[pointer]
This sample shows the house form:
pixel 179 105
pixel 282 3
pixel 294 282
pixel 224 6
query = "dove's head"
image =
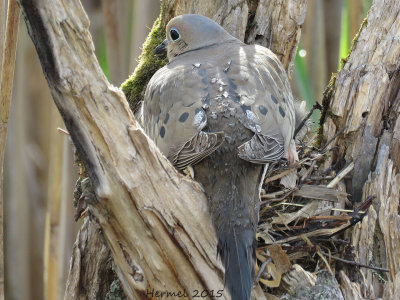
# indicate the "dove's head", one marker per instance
pixel 191 32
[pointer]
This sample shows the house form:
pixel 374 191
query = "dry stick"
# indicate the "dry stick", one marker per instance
pixel 278 176
pixel 262 268
pixel 289 169
pixel 315 106
pixel 341 175
pixel 6 81
pixel 350 262
pixel 309 243
pixel 332 139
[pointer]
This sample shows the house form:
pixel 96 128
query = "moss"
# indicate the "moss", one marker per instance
pixel 77 192
pixel 326 98
pixel 328 93
pixel 135 86
pixel 326 101
pixel 321 139
pixel 353 43
pixel 115 292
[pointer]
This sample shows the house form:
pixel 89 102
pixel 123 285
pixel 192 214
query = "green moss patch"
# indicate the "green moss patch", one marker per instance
pixel 135 86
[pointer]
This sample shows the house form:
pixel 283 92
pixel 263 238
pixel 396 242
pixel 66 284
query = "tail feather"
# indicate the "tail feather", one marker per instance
pixel 237 250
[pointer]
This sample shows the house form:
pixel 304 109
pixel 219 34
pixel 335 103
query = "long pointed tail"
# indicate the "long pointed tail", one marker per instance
pixel 237 249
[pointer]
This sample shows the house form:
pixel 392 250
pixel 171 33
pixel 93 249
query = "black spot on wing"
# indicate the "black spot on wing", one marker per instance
pixel 245 107
pixel 166 118
pixel 162 131
pixel 274 99
pixel 263 109
pixel 183 117
pixel 282 111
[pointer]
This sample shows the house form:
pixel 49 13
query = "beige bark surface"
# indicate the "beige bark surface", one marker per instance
pixel 154 220
pixel 366 102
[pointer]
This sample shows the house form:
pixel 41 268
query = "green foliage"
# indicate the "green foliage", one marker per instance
pixel 367 5
pixel 102 54
pixel 135 86
pixel 301 74
pixel 304 84
pixel 344 59
pixel 345 47
pixel 344 33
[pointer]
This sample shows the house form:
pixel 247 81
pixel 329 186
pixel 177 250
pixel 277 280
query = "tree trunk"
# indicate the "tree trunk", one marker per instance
pixel 365 102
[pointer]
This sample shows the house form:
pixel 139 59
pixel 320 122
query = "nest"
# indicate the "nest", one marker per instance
pixel 304 226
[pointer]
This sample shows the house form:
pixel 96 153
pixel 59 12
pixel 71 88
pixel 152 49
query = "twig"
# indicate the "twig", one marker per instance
pixel 358 214
pixel 273 195
pixel 277 176
pixel 262 268
pixel 62 130
pixel 315 106
pixel 332 139
pixel 341 175
pixel 308 172
pixel 285 171
pixel 350 262
pixel 319 252
pixel 271 200
pixel 332 209
pixel 319 178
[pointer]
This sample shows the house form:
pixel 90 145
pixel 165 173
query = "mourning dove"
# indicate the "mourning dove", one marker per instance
pixel 226 109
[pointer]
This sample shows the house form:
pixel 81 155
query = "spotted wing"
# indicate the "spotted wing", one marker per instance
pixel 194 150
pixel 173 114
pixel 267 103
pixel 263 148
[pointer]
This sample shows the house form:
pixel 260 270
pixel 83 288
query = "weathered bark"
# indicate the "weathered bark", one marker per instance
pixel 154 220
pixel 365 102
pixel 93 267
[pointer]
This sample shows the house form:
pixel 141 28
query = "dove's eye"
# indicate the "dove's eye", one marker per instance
pixel 174 34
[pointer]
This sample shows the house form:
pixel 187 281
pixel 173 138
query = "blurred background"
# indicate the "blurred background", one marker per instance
pixel 40 174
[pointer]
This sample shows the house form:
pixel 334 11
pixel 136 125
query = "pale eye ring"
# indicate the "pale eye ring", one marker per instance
pixel 174 34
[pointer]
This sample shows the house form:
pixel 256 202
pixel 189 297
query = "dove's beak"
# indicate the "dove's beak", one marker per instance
pixel 161 48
